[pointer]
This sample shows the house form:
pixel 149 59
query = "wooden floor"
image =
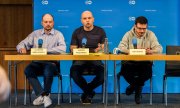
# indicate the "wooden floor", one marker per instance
pixel 126 102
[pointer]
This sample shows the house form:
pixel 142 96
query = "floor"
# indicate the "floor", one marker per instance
pixel 126 102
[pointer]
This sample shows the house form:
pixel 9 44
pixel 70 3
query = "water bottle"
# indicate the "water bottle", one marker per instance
pixel 106 51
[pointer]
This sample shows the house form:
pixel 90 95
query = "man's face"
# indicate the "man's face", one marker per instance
pixel 87 19
pixel 47 22
pixel 140 29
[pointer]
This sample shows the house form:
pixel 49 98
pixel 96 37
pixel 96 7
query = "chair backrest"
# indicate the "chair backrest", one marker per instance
pixel 172 68
pixel 59 70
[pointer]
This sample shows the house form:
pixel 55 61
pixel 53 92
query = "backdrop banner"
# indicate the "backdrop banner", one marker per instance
pixel 116 17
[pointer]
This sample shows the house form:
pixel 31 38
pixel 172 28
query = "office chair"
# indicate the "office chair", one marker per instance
pixel 86 72
pixel 119 86
pixel 56 74
pixel 172 68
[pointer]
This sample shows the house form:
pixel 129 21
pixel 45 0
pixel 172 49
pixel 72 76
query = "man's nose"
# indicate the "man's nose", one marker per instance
pixel 141 30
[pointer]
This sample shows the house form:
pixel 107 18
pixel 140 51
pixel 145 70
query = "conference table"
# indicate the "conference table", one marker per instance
pixel 14 60
pixel 19 58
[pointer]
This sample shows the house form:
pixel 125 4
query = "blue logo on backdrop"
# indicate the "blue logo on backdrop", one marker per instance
pixel 44 2
pixel 132 2
pixel 131 18
pixel 88 2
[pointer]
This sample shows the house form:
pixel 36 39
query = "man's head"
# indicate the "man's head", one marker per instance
pixel 140 26
pixel 47 22
pixel 87 20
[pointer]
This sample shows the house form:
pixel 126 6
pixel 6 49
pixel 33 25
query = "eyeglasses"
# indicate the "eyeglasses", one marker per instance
pixel 140 28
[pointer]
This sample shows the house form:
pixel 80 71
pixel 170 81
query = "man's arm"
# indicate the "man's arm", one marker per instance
pixel 124 44
pixel 74 41
pixel 72 47
pixel 155 47
pixel 101 44
pixel 22 50
pixel 99 48
pixel 25 44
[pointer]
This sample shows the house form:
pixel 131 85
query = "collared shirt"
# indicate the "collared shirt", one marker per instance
pixel 54 41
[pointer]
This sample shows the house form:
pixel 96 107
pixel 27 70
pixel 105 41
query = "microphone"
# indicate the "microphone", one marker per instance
pixel 116 51
pixel 134 42
pixel 40 43
pixel 84 41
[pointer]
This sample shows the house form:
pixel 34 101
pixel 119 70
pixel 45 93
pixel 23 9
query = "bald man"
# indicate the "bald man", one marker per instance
pixel 5 86
pixel 94 36
pixel 54 41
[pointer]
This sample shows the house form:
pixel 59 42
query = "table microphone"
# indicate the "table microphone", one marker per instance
pixel 40 43
pixel 134 42
pixel 84 41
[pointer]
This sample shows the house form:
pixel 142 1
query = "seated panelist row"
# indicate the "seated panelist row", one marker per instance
pixel 92 37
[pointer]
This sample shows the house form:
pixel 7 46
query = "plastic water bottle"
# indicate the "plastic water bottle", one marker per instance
pixel 106 50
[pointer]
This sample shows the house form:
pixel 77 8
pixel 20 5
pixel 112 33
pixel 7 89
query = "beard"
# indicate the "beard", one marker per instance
pixel 141 34
pixel 88 25
pixel 48 28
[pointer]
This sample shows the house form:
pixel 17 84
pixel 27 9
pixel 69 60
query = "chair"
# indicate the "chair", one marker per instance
pixel 85 73
pixel 56 74
pixel 172 68
pixel 119 92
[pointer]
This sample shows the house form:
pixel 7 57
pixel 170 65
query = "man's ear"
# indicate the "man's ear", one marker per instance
pixel 42 23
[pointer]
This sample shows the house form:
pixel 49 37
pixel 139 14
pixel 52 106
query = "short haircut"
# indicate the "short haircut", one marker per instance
pixel 48 14
pixel 141 20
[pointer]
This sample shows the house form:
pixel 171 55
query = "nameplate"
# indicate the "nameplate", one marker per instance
pixel 38 51
pixel 137 52
pixel 81 51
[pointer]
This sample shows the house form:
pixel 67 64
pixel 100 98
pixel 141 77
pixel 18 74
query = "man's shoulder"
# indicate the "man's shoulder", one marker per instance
pixel 56 31
pixel 97 27
pixel 38 30
pixel 150 33
pixel 129 33
pixel 79 29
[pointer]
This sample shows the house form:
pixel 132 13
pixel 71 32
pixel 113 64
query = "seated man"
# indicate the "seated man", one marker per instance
pixel 137 72
pixel 95 36
pixel 53 40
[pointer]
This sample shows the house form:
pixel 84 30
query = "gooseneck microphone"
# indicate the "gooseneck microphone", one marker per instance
pixel 40 43
pixel 134 42
pixel 84 41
